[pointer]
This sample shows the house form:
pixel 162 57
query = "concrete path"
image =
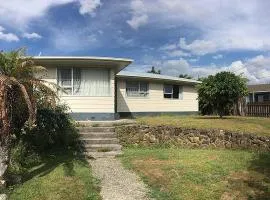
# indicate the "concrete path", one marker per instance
pixel 118 183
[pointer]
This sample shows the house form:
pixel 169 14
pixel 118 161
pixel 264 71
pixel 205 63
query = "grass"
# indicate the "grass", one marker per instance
pixel 60 176
pixel 255 125
pixel 186 174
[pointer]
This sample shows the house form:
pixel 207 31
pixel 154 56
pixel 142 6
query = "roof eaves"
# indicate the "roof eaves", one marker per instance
pixel 155 76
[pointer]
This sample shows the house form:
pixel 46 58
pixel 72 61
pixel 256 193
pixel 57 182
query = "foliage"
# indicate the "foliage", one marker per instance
pixel 220 92
pixel 185 76
pixel 54 130
pixel 20 86
pixel 21 158
pixel 154 71
pixel 20 90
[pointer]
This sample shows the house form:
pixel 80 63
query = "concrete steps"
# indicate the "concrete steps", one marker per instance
pixel 102 154
pixel 97 135
pixel 96 129
pixel 99 140
pixel 102 147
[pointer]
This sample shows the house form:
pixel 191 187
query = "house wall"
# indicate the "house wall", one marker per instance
pixel 155 102
pixel 87 107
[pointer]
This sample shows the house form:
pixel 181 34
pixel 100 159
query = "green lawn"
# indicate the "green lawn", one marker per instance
pixel 58 177
pixel 256 125
pixel 188 174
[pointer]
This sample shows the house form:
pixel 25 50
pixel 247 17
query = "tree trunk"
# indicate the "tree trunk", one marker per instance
pixel 31 111
pixel 4 134
pixel 4 160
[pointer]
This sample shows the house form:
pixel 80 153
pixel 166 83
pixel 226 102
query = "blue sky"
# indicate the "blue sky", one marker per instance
pixel 187 36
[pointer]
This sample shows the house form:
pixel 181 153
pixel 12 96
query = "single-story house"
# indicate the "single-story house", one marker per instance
pixel 259 93
pixel 96 88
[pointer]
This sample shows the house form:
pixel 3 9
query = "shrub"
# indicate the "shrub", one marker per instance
pixel 221 92
pixel 55 130
pixel 22 157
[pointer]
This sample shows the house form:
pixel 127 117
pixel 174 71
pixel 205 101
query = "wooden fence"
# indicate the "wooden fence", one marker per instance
pixel 258 109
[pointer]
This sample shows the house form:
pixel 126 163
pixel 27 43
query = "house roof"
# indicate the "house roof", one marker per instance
pixel 118 63
pixel 259 88
pixel 159 77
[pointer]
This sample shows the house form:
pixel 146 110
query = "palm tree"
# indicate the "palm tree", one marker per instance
pixel 18 85
pixel 154 71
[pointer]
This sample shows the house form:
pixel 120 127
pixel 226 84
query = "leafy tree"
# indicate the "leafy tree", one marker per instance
pixel 185 76
pixel 221 92
pixel 154 71
pixel 20 90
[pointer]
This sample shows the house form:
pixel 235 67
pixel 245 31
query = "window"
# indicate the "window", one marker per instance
pixel 137 89
pixel 173 92
pixel 84 81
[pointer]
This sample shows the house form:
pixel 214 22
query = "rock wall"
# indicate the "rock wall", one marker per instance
pixel 143 135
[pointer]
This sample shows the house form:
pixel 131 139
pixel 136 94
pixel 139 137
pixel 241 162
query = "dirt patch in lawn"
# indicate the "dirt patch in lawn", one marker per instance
pixel 153 169
pixel 246 185
pixel 202 174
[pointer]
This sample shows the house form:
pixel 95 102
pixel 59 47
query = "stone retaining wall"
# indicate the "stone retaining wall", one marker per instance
pixel 143 135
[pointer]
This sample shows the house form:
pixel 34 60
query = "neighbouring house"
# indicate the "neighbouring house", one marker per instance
pixel 96 88
pixel 259 93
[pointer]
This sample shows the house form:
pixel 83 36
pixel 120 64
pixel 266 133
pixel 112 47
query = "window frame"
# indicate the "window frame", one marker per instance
pixel 180 92
pixel 72 83
pixel 146 93
pixel 59 81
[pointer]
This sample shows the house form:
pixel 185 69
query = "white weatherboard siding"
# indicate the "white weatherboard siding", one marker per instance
pixel 155 102
pixel 86 104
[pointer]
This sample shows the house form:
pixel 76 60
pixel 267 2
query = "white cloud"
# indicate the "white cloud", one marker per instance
pixel 218 56
pixel 172 50
pixel 9 37
pixel 224 26
pixel 13 12
pixel 20 13
pixel 198 47
pixel 32 35
pixel 70 41
pixel 139 16
pixel 168 47
pixel 177 53
pixel 256 70
pixel 138 21
pixel 193 59
pixel 89 6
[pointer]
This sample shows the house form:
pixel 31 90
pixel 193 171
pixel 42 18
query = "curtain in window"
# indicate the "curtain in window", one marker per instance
pixel 65 81
pixel 137 89
pixel 181 96
pixel 92 82
pixel 64 77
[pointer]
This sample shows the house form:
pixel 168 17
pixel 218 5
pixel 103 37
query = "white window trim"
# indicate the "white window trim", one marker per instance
pixel 180 96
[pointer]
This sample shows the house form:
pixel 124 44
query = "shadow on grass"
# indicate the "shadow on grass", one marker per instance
pixel 52 161
pixel 214 117
pixel 253 184
pixel 261 165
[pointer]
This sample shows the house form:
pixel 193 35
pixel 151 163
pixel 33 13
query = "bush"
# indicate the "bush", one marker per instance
pixel 22 157
pixel 55 130
pixel 221 92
